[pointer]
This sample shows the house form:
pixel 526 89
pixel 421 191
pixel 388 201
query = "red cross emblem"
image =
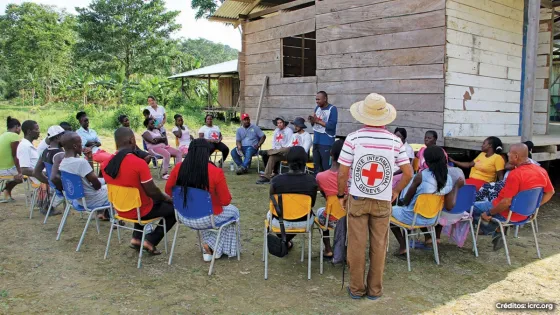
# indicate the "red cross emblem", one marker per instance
pixel 215 136
pixel 279 137
pixel 372 174
pixel 296 142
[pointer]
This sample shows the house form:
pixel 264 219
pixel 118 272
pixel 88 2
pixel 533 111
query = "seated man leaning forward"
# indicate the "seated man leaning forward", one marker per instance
pixel 280 146
pixel 524 176
pixel 94 191
pixel 27 153
pixel 128 170
pixel 296 181
pixel 248 140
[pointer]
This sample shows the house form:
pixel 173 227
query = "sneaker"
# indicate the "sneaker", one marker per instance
pixel 372 298
pixel 165 177
pixel 352 295
pixel 263 180
pixel 241 171
pixel 245 171
pixel 497 241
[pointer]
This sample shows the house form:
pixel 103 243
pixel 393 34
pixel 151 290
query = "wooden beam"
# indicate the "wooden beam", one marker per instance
pixel 532 9
pixel 546 4
pixel 265 81
pixel 221 19
pixel 243 15
pixel 279 7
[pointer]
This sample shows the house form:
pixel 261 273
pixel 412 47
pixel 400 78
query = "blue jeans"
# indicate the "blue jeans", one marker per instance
pixel 248 153
pixel 321 157
pixel 481 207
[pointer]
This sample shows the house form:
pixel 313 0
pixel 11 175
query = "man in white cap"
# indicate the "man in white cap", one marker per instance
pixel 366 166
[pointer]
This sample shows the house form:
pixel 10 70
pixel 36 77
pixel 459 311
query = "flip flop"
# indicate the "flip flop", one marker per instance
pixel 400 256
pixel 153 252
pixel 328 256
pixel 134 246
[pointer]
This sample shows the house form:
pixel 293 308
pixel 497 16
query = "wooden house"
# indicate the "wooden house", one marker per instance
pixel 454 66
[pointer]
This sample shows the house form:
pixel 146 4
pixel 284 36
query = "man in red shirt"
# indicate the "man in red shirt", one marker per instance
pixel 126 169
pixel 525 175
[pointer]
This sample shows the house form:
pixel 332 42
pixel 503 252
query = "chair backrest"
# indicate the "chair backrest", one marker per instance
pixel 72 185
pixel 526 202
pixel 466 196
pixel 415 164
pixel 48 169
pixel 294 206
pixel 428 205
pixel 176 142
pixel 124 199
pixel 334 208
pixel 198 204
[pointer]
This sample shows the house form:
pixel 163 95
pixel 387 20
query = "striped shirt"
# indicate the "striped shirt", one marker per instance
pixel 373 138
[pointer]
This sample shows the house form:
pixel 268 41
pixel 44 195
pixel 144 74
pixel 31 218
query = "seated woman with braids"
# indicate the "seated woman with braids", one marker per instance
pixel 433 180
pixel 198 172
pixel 488 166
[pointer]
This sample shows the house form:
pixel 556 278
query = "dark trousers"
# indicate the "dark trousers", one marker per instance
pixel 321 157
pixel 160 209
pixel 220 146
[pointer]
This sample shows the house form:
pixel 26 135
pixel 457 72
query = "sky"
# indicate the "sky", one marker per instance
pixel 214 31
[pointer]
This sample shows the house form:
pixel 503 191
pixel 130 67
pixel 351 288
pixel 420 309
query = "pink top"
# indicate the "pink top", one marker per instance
pixel 422 162
pixel 328 181
pixel 155 134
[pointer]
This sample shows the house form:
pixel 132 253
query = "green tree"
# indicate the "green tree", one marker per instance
pixel 209 53
pixel 123 33
pixel 205 8
pixel 36 46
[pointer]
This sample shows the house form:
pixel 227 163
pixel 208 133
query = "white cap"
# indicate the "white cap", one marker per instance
pixel 54 131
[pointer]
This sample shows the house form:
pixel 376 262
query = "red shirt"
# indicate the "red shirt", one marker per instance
pixel 133 173
pixel 522 178
pixel 219 190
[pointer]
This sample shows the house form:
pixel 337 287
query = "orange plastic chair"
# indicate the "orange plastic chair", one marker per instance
pixel 332 209
pixel 294 206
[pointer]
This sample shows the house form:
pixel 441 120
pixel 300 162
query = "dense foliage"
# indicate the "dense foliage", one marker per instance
pixel 113 53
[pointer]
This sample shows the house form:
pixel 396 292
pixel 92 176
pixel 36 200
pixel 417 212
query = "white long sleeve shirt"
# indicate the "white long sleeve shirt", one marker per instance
pixel 302 140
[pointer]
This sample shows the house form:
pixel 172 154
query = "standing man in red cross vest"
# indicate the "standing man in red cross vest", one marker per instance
pixel 280 146
pixel 366 163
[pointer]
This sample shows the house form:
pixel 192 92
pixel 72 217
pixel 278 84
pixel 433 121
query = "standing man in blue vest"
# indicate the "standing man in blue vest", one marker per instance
pixel 324 122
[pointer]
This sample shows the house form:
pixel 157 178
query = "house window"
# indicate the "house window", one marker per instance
pixel 299 56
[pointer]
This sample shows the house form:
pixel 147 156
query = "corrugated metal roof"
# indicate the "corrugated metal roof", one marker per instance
pixel 228 67
pixel 231 9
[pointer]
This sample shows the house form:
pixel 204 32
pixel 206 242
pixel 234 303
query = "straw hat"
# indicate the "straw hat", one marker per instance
pixel 374 111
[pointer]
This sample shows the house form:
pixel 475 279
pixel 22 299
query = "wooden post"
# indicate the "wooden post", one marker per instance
pixel 209 94
pixel 532 11
pixel 260 100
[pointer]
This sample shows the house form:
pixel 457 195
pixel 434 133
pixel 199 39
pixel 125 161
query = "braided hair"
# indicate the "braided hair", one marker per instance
pixel 437 164
pixel 194 169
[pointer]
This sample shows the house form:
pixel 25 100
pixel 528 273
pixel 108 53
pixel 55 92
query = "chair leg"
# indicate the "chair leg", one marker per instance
pixel 407 248
pixel 310 237
pixel 109 239
pixel 49 209
pixel 85 230
pixel 264 245
pixel 97 223
pixel 516 231
pixel 165 234
pixel 505 243
pixel 63 222
pixel 533 226
pixel 238 236
pixel 118 231
pixel 321 251
pixel 265 250
pixel 302 250
pixel 536 225
pixel 475 247
pixel 214 254
pixel 173 244
pixel 34 194
pixel 434 244
pixel 477 229
pixel 141 246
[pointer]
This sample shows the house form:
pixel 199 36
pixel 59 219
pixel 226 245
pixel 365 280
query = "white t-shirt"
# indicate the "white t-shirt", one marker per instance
pixel 42 147
pixel 281 138
pixel 81 167
pixel 409 150
pixel 27 154
pixel 185 139
pixel 301 140
pixel 210 133
pixel 157 114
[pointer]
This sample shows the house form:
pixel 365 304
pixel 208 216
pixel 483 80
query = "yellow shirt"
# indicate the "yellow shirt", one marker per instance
pixel 486 168
pixel 6 159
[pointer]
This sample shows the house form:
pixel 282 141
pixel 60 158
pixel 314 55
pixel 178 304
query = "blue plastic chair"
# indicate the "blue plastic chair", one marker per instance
pixel 525 203
pixel 197 206
pixel 466 196
pixel 74 191
pixel 48 169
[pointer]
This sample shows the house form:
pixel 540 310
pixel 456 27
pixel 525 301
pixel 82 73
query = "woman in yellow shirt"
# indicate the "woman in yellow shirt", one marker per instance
pixel 488 166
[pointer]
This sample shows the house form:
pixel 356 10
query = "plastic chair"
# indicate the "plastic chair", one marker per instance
pixel 429 206
pixel 466 197
pixel 48 169
pixel 31 194
pixel 74 191
pixel 333 209
pixel 197 206
pixel 525 203
pixel 309 166
pixel 214 157
pixel 126 199
pixel 294 206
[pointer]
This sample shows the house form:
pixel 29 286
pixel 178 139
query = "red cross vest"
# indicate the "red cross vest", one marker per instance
pixel 372 170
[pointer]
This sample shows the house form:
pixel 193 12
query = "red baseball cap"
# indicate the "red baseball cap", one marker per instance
pixel 243 116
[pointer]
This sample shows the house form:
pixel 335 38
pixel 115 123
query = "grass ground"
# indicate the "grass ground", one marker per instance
pixel 41 275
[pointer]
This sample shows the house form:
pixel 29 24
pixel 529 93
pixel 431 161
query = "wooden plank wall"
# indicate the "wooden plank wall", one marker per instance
pixel 544 70
pixel 290 97
pixel 392 47
pixel 225 92
pixel 483 67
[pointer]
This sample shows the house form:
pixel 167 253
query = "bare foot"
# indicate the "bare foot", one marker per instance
pixel 207 249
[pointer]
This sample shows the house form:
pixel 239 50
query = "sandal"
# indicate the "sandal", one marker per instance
pixel 400 256
pixel 153 252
